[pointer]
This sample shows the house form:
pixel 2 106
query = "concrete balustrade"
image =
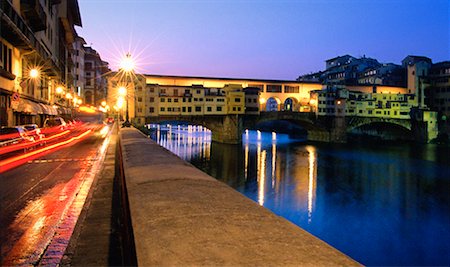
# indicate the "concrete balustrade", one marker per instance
pixel 182 216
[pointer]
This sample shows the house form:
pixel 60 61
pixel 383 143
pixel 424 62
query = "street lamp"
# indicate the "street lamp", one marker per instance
pixel 127 66
pixel 34 73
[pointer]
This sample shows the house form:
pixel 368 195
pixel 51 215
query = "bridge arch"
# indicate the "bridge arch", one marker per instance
pixel 357 122
pixel 303 120
pixel 382 128
pixel 224 129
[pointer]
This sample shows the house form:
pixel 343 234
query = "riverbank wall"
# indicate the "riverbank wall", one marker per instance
pixel 182 216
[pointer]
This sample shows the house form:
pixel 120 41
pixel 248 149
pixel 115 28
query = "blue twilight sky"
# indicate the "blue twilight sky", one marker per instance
pixel 262 39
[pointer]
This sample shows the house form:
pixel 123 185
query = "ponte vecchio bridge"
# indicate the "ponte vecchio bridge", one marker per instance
pixel 228 106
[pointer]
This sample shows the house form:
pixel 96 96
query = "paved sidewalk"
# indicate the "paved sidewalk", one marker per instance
pixel 96 238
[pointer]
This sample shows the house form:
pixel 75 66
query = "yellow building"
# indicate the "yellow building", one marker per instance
pixel 194 96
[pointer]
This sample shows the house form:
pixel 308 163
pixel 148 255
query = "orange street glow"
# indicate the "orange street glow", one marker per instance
pixel 87 109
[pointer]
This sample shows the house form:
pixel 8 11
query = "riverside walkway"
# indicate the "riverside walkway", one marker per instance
pixel 176 215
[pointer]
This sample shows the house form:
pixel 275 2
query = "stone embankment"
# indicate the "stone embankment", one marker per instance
pixel 182 216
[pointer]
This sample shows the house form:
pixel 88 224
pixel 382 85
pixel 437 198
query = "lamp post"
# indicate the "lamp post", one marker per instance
pixel 127 66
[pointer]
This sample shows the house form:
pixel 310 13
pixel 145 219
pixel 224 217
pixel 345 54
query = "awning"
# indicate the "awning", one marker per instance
pixel 64 111
pixel 49 110
pixel 27 106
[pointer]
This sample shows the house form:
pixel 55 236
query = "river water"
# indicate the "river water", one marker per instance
pixel 379 203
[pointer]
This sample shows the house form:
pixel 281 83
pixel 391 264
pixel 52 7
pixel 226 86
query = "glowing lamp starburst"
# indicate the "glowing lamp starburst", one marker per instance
pixel 34 73
pixel 59 90
pixel 127 63
pixel 122 91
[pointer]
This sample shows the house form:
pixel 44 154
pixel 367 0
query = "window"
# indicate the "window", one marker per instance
pixel 218 108
pixel 152 99
pixel 291 89
pixel 151 90
pixel 88 82
pixel 163 109
pixel 234 108
pixel 169 109
pixel 151 109
pixel 175 100
pixel 198 109
pixel 139 99
pixel 6 57
pixel 220 100
pixel 198 91
pixel 184 109
pixel 272 88
pixel 162 99
pixel 139 109
pixel 237 99
pixel 175 92
pixel 169 99
pixel 189 109
pixel 209 109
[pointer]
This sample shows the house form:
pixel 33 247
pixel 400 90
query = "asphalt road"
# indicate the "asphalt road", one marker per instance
pixel 41 200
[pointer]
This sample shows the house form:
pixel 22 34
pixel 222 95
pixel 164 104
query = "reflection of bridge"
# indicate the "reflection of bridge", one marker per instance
pixel 229 128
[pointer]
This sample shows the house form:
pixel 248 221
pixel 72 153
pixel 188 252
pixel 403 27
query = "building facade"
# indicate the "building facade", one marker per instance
pixel 36 38
pixel 95 82
pixel 78 55
pixel 156 95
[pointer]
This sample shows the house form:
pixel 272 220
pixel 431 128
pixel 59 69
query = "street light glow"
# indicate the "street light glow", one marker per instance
pixel 122 91
pixel 127 63
pixel 120 102
pixel 34 73
pixel 69 96
pixel 59 90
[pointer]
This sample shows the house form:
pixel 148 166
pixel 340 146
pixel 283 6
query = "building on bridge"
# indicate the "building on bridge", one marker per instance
pixel 156 95
pixel 218 102
pixel 383 104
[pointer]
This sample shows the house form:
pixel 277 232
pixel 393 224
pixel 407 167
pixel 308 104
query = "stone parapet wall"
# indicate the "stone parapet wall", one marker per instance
pixel 181 216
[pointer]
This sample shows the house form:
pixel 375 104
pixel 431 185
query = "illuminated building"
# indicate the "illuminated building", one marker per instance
pixel 36 40
pixel 179 95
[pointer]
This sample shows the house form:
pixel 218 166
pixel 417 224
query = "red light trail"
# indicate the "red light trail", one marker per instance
pixel 13 162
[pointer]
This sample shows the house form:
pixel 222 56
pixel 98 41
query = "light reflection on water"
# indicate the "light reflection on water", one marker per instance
pixel 379 204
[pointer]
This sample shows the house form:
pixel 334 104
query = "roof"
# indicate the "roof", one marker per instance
pixel 417 58
pixel 331 59
pixel 220 78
